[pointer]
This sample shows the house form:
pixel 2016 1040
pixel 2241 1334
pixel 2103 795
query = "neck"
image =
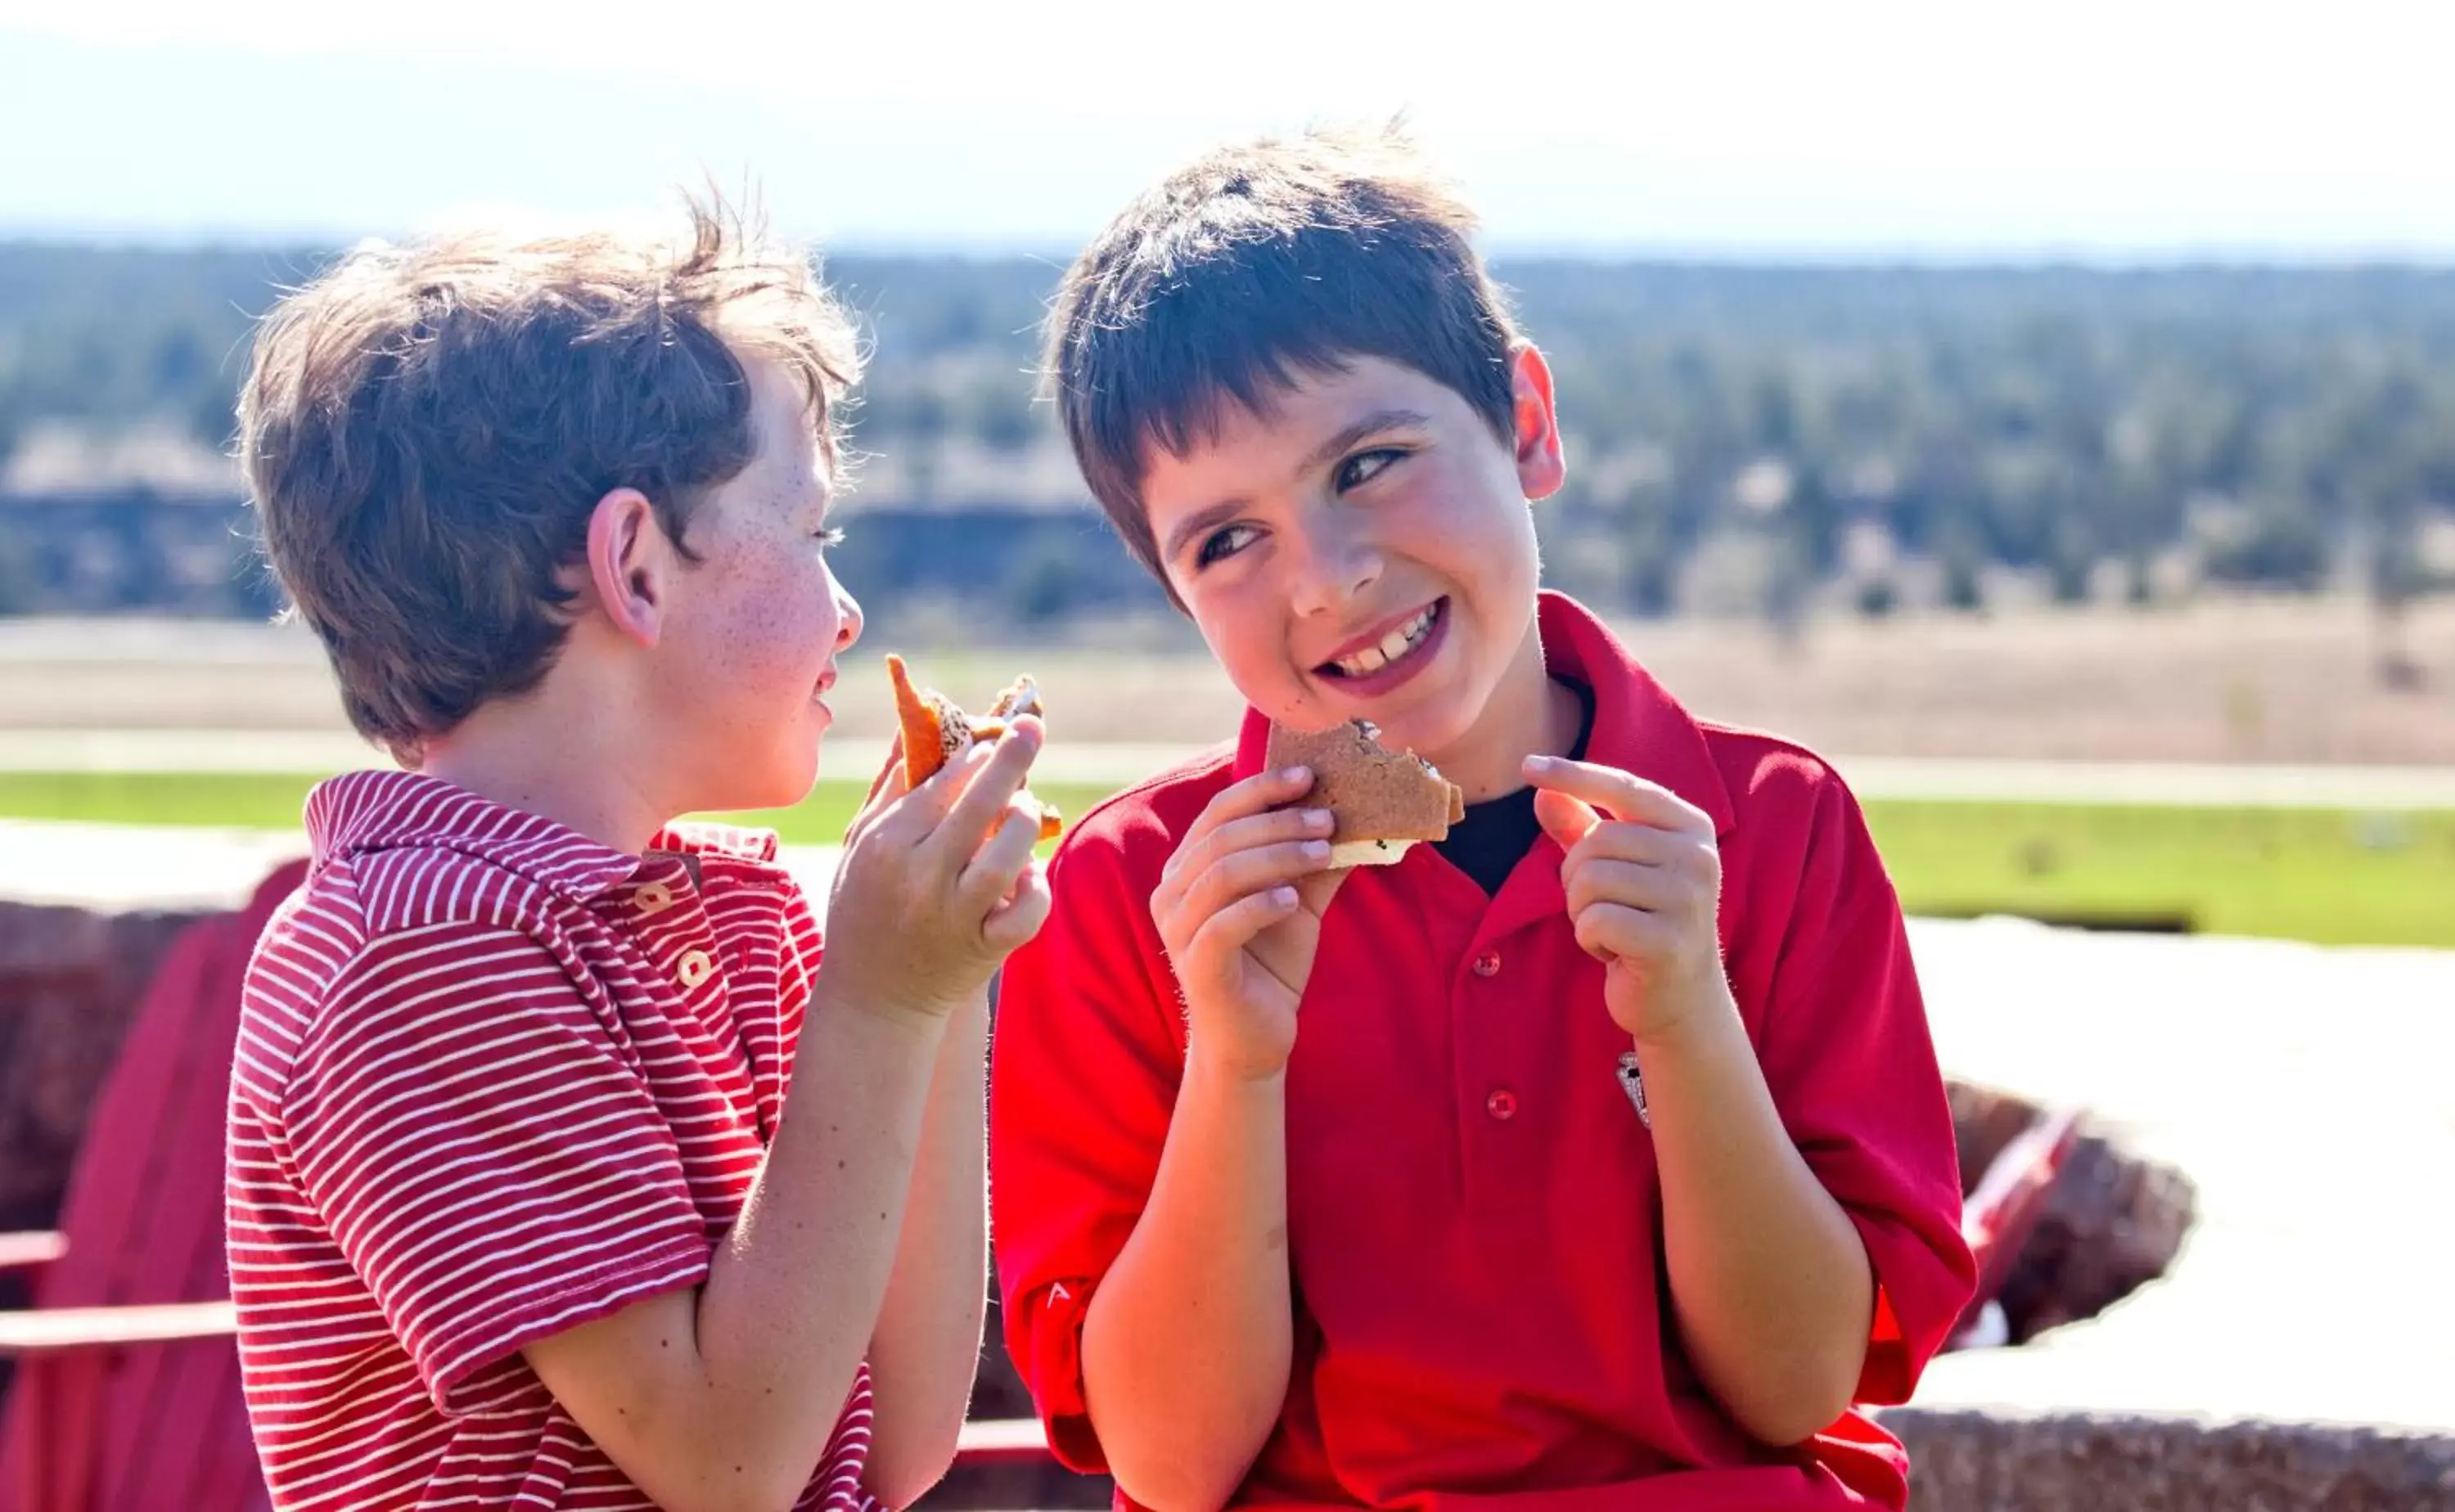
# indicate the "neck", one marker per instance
pixel 1526 714
pixel 558 752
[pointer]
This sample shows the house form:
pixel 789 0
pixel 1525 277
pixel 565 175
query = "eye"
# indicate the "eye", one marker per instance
pixel 1222 544
pixel 829 537
pixel 1365 466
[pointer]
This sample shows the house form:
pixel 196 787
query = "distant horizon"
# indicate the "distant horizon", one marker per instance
pixel 1771 258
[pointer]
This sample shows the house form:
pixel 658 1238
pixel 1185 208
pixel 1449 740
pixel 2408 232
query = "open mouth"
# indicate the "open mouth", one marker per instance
pixel 1390 650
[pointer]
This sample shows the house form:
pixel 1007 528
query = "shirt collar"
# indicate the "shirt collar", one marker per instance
pixel 1639 728
pixel 367 812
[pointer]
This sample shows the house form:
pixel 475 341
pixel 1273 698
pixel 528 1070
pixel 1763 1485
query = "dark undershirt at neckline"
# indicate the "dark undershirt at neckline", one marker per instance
pixel 1496 835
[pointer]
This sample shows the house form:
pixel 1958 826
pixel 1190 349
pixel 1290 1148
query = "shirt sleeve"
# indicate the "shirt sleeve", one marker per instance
pixel 1088 1059
pixel 466 1120
pixel 1851 1067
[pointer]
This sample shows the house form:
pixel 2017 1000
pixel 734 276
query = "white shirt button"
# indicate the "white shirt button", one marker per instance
pixel 693 967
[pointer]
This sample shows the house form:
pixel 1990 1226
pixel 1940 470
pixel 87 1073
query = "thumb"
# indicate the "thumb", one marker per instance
pixel 1566 819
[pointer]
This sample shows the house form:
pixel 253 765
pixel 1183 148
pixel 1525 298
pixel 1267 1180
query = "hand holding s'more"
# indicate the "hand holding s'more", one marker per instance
pixel 936 730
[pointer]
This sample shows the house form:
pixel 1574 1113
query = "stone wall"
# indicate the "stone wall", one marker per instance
pixel 2007 1461
pixel 2004 1461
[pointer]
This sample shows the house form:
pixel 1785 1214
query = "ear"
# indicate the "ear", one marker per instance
pixel 1541 469
pixel 631 565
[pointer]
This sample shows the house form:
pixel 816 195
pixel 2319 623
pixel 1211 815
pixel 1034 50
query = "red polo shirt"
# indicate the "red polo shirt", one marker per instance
pixel 1482 1307
pixel 495 1080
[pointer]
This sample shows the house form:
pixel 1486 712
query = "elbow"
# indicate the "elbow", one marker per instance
pixel 1803 1401
pixel 770 1488
pixel 1159 1464
pixel 740 1488
pixel 901 1471
pixel 714 1473
pixel 1190 1483
pixel 898 1492
pixel 1784 1426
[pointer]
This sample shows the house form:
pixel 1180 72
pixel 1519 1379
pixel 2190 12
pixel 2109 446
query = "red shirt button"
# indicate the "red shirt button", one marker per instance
pixel 1487 964
pixel 1502 1104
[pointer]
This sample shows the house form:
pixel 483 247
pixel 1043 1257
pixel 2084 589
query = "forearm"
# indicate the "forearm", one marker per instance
pixel 1203 1278
pixel 927 1346
pixel 795 1294
pixel 1769 1278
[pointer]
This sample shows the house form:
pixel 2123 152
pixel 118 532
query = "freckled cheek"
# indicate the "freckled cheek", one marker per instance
pixel 775 631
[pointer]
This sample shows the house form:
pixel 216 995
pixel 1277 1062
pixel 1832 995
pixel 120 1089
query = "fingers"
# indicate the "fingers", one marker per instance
pixel 1609 931
pixel 889 785
pixel 915 815
pixel 1240 874
pixel 1566 819
pixel 1255 794
pixel 1007 883
pixel 1011 924
pixel 992 788
pixel 1196 855
pixel 995 868
pixel 892 774
pixel 1228 930
pixel 1655 870
pixel 1616 841
pixel 1630 884
pixel 961 801
pixel 1620 795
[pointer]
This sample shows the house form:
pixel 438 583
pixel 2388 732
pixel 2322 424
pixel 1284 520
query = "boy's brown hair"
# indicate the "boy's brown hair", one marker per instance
pixel 426 429
pixel 1249 266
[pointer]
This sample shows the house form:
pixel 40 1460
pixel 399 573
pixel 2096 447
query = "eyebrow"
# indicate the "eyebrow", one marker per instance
pixel 1202 522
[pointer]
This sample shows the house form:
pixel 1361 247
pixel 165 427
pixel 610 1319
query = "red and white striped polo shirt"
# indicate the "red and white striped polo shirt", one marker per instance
pixel 494 1079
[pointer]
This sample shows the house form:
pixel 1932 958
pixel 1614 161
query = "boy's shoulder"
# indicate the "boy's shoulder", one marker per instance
pixel 1797 829
pixel 401 858
pixel 1133 830
pixel 421 885
pixel 1771 778
pixel 397 910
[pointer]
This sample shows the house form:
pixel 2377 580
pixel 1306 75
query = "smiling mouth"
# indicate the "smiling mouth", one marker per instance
pixel 1392 648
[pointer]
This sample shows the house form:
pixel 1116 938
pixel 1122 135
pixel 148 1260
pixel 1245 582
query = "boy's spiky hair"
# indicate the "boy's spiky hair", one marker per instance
pixel 1254 265
pixel 426 429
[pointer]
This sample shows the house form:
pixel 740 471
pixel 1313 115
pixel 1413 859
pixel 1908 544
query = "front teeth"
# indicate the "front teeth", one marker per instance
pixel 1395 645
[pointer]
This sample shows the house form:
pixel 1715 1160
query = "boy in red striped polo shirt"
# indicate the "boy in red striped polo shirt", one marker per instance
pixel 564 1171
pixel 1594 1157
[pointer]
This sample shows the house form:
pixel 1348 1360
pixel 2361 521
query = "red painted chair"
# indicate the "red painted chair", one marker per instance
pixel 126 1393
pixel 1997 1217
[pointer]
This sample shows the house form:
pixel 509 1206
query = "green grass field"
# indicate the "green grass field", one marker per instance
pixel 2325 876
pixel 273 801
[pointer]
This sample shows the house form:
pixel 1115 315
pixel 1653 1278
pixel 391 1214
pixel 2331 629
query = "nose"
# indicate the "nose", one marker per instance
pixel 1332 559
pixel 847 614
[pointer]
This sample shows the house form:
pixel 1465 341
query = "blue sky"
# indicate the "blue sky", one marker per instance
pixel 2118 132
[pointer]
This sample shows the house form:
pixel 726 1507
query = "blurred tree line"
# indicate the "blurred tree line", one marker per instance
pixel 1759 439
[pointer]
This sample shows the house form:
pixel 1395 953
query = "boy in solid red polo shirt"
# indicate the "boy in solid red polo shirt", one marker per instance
pixel 565 1169
pixel 1593 1157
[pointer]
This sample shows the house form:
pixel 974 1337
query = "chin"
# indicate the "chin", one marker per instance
pixel 779 785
